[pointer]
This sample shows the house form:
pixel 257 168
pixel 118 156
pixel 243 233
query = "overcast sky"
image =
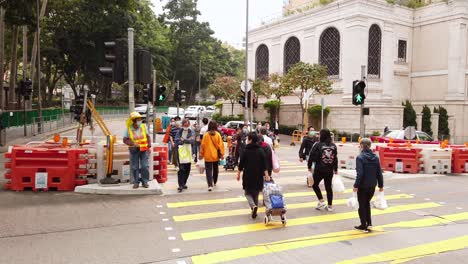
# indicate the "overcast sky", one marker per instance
pixel 227 17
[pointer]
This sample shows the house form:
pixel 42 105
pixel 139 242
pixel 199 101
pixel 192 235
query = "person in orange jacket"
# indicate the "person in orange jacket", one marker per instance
pixel 167 139
pixel 212 151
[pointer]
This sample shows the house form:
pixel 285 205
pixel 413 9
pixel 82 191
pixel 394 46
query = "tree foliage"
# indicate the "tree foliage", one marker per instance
pixel 444 130
pixel 426 120
pixel 226 87
pixel 303 77
pixel 409 115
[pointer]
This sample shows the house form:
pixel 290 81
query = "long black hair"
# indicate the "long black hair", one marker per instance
pixel 325 136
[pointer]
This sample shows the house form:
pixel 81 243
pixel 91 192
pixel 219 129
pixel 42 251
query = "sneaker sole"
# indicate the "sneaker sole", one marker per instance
pixel 363 231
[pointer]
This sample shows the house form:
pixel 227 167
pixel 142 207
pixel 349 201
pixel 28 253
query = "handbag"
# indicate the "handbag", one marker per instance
pixel 185 153
pixel 217 149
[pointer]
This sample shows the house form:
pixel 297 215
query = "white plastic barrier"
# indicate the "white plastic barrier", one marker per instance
pixel 347 154
pixel 121 162
pixel 437 161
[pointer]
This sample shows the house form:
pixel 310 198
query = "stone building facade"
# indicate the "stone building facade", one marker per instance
pixel 410 54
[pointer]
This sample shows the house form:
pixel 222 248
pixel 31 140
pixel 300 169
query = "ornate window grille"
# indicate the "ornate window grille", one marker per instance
pixel 262 62
pixel 374 52
pixel 292 53
pixel 330 51
pixel 402 50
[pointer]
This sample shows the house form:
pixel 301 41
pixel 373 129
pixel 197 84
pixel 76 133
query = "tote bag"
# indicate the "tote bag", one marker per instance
pixel 185 154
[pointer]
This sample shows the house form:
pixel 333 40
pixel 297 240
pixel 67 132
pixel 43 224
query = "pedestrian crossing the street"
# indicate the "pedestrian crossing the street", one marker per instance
pixel 243 244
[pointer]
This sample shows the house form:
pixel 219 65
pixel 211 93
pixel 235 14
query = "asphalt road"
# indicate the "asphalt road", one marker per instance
pixel 426 222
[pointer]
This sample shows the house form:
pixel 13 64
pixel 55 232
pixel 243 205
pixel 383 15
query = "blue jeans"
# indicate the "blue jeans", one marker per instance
pixel 139 163
pixel 196 149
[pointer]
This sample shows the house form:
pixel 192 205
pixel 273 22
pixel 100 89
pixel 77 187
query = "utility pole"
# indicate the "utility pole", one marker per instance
pixel 39 99
pixel 199 81
pixel 362 125
pixel 2 55
pixel 154 107
pixel 131 80
pixel 323 106
pixel 178 103
pixel 25 70
pixel 246 109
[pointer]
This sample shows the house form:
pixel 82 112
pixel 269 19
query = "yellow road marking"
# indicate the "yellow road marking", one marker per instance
pixel 231 230
pixel 237 199
pixel 415 252
pixel 279 246
pixel 200 216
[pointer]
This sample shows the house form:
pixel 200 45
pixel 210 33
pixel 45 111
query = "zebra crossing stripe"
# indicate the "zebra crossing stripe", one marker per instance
pixel 416 252
pixel 309 241
pixel 231 230
pixel 225 213
pixel 237 199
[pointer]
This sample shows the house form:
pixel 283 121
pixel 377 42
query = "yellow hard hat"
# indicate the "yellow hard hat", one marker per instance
pixel 135 115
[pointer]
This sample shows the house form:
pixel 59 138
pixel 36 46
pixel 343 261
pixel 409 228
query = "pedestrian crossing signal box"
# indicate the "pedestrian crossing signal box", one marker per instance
pixel 358 92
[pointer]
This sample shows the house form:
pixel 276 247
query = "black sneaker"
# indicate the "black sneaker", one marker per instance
pixel 145 185
pixel 185 187
pixel 254 212
pixel 179 189
pixel 362 229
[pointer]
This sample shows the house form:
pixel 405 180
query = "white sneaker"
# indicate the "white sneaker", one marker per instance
pixel 320 205
pixel 210 189
pixel 329 208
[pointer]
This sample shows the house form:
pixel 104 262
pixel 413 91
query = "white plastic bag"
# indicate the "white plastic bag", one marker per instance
pixel 310 179
pixel 353 202
pixel 380 201
pixel 201 166
pixel 337 184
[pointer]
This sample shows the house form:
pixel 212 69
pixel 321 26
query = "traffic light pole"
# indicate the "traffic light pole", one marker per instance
pixel 131 80
pixel 178 103
pixel 246 108
pixel 362 131
pixel 154 108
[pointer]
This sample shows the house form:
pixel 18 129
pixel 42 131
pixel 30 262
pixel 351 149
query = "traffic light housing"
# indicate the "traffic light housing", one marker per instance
pixel 180 96
pixel 148 95
pixel 25 88
pixel 242 99
pixel 143 67
pixel 77 108
pixel 115 54
pixel 160 94
pixel 359 92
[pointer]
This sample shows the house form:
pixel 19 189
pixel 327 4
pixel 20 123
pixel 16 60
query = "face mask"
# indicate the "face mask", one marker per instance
pixel 139 123
pixel 172 123
pixel 312 134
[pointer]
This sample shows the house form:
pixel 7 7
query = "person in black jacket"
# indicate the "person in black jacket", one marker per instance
pixel 368 175
pixel 307 144
pixel 324 154
pixel 253 164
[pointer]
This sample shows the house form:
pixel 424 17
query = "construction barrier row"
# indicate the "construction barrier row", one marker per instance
pixel 45 168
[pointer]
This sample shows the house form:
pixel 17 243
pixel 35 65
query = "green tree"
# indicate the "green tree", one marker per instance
pixel 426 120
pixel 226 87
pixel 304 76
pixel 278 89
pixel 444 130
pixel 409 115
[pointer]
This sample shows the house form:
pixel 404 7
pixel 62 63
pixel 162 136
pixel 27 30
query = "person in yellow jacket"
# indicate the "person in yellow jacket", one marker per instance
pixel 212 151
pixel 136 137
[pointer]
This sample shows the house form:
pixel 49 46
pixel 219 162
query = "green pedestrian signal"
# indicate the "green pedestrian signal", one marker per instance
pixel 358 92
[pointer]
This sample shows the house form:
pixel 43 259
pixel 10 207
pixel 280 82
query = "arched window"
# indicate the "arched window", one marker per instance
pixel 374 52
pixel 262 62
pixel 330 51
pixel 292 53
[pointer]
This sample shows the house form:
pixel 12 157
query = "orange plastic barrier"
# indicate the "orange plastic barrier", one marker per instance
pixel 32 168
pixel 460 160
pixel 160 159
pixel 403 160
pixel 296 137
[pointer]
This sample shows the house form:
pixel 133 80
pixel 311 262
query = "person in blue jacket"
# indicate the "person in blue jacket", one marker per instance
pixel 368 175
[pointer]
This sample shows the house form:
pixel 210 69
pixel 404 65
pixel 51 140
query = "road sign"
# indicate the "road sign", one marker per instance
pixel 410 132
pixel 249 86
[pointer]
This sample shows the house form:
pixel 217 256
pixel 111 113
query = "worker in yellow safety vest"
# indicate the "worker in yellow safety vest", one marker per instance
pixel 136 137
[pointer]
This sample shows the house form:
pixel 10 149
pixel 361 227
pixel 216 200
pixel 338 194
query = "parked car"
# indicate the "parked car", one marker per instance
pixel 229 129
pixel 172 112
pixel 398 136
pixel 194 110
